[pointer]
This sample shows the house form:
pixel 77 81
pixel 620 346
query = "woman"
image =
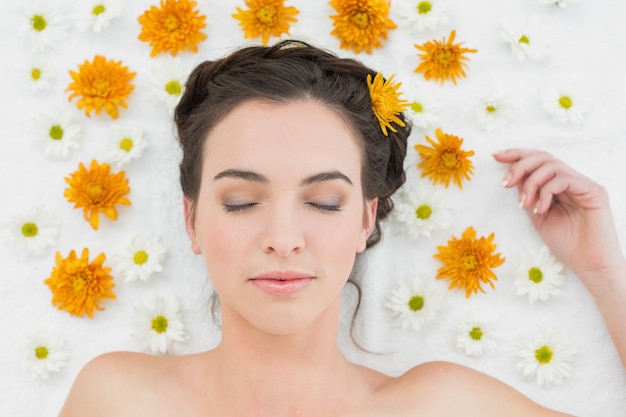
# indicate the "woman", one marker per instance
pixel 286 173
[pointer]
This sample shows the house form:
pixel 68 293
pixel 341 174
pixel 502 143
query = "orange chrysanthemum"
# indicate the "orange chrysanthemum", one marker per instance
pixel 78 285
pixel 386 103
pixel 97 190
pixel 264 18
pixel 443 60
pixel 172 27
pixel 360 23
pixel 445 160
pixel 101 84
pixel 468 262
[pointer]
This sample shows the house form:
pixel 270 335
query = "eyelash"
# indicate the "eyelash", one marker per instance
pixel 243 207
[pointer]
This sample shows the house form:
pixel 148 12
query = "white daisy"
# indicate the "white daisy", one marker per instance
pixel 58 134
pixel 492 113
pixel 96 14
pixel 423 112
pixel 33 231
pixel 38 74
pixel 564 103
pixel 42 23
pixel 125 143
pixel 476 337
pixel 421 15
pixel 422 211
pixel 561 3
pixel 414 302
pixel 524 39
pixel 546 356
pixel 158 324
pixel 45 352
pixel 539 275
pixel 141 258
pixel 168 80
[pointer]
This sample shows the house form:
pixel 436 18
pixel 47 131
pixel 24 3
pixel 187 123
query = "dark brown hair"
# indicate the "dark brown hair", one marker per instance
pixel 287 71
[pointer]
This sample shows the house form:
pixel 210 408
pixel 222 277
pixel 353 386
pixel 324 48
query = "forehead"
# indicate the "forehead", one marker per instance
pixel 296 135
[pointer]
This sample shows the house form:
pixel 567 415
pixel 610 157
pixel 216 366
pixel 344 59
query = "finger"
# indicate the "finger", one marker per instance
pixel 524 167
pixel 513 155
pixel 550 193
pixel 531 184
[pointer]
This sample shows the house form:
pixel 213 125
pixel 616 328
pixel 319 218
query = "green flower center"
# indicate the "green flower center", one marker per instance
pixel 476 333
pixel 159 324
pixel 35 74
pixel 417 107
pixel 30 230
pixel 544 355
pixel 126 144
pixel 266 15
pixel 56 132
pixel 565 102
pixel 535 275
pixel 38 22
pixel 361 19
pixel 491 108
pixel 140 257
pixel 173 88
pixel 416 303
pixel 41 352
pixel 424 7
pixel 423 212
pixel 99 9
pixel 524 39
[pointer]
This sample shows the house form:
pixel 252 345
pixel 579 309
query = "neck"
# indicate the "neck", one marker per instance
pixel 291 374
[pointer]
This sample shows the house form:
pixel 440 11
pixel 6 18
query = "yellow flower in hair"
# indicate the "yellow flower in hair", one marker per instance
pixel 467 262
pixel 443 60
pixel 386 103
pixel 264 18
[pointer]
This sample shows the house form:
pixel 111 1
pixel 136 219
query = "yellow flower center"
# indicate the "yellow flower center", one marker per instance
pixel 444 56
pixel 56 132
pixel 266 15
pixel 171 23
pixel 159 324
pixel 417 107
pixel 80 281
pixel 99 9
pixel 416 303
pixel 469 262
pixel 95 192
pixel 535 275
pixel 100 87
pixel 423 212
pixel 424 7
pixel 140 257
pixel 173 88
pixel 544 355
pixel 38 22
pixel 565 102
pixel 35 74
pixel 476 333
pixel 524 39
pixel 126 144
pixel 491 108
pixel 449 159
pixel 41 352
pixel 30 230
pixel 361 19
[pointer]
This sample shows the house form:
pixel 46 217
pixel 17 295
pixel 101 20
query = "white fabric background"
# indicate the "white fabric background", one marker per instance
pixel 586 42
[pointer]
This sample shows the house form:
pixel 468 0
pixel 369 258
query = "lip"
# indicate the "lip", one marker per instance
pixel 282 282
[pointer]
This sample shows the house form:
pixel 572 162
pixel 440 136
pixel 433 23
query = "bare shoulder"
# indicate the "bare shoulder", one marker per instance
pixel 115 380
pixel 445 388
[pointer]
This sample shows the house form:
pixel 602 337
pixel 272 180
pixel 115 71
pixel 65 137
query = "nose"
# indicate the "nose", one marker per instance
pixel 283 233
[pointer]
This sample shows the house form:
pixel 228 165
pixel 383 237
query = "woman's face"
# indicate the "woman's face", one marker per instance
pixel 280 213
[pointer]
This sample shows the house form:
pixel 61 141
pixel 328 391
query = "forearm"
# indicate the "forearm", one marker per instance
pixel 608 289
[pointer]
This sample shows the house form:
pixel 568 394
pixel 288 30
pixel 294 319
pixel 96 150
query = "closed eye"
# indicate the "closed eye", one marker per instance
pixel 325 207
pixel 233 208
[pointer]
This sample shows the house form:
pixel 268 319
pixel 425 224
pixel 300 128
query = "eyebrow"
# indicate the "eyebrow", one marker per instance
pixel 256 177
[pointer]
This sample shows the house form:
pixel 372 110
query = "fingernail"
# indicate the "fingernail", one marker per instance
pixel 522 200
pixel 535 210
pixel 506 179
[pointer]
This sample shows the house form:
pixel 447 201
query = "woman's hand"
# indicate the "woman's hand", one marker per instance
pixel 569 210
